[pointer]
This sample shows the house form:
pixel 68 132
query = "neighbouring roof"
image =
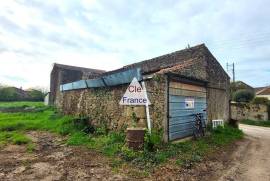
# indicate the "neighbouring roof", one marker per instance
pixel 264 91
pixel 82 69
pixel 257 89
pixel 242 85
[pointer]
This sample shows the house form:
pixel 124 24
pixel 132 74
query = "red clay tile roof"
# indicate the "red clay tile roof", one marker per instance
pixel 177 67
pixel 165 61
pixel 265 91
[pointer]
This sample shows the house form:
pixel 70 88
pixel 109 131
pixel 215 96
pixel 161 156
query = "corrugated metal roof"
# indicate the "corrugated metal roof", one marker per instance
pixel 107 80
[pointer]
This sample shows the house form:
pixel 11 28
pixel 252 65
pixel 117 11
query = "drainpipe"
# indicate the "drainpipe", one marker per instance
pixel 147 108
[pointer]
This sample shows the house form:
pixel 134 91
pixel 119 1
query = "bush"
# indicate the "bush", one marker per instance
pixel 36 95
pixel 261 100
pixel 153 140
pixel 243 96
pixel 15 94
pixel 8 94
pixel 128 154
pixel 73 125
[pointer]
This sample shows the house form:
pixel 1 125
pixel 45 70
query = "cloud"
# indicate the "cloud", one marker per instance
pixel 93 33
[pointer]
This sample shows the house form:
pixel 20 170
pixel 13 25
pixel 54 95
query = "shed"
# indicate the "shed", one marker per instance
pixel 178 85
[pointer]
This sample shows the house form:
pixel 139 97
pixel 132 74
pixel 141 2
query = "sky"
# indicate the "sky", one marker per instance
pixel 106 34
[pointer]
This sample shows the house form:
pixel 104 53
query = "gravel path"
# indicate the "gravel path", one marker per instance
pixel 251 161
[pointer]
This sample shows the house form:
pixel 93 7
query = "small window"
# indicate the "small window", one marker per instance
pixel 189 103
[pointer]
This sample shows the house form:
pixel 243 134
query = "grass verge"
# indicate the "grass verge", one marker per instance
pixel 21 104
pixel 256 123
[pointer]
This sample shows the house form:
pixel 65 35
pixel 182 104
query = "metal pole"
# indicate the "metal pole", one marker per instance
pixel 233 73
pixel 147 108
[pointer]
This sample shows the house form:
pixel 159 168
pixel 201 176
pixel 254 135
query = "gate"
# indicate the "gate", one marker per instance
pixel 185 100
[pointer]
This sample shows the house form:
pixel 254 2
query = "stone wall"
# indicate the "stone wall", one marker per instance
pixel 101 105
pixel 240 111
pixel 266 96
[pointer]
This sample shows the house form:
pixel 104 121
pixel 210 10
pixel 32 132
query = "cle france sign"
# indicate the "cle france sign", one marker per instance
pixel 135 95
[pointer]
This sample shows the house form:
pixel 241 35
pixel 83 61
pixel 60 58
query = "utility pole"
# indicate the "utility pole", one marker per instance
pixel 231 68
pixel 233 73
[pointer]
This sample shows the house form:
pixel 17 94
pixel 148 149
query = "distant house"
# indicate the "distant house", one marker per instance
pixel 263 92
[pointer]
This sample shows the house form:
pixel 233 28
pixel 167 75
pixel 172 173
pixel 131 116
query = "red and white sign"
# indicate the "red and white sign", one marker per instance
pixel 135 95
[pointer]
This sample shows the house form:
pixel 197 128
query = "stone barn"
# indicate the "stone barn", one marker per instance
pixel 178 85
pixel 62 74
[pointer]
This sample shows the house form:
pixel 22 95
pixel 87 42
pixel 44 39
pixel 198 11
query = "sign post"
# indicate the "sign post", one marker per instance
pixel 147 109
pixel 137 95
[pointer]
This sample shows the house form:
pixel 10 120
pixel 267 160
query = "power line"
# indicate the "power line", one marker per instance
pixel 247 38
pixel 236 44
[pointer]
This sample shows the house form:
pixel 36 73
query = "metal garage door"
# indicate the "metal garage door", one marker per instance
pixel 185 100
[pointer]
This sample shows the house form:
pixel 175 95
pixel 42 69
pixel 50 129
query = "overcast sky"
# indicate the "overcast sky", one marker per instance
pixel 109 34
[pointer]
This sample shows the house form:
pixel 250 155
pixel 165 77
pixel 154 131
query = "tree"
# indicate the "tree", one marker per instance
pixel 42 89
pixel 239 85
pixel 8 94
pixel 243 96
pixel 36 95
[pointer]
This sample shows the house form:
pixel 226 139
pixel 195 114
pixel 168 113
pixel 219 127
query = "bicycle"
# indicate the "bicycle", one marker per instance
pixel 199 126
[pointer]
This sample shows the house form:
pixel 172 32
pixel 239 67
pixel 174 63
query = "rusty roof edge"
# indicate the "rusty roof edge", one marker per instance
pixel 71 67
pixel 186 77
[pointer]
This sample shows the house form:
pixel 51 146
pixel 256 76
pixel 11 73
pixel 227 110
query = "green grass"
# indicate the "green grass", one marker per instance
pixel 256 123
pixel 186 153
pixel 21 104
pixel 34 121
pixel 112 144
pixel 13 137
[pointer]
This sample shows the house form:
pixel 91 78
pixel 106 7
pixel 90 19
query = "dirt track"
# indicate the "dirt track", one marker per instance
pixel 251 160
pixel 53 160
